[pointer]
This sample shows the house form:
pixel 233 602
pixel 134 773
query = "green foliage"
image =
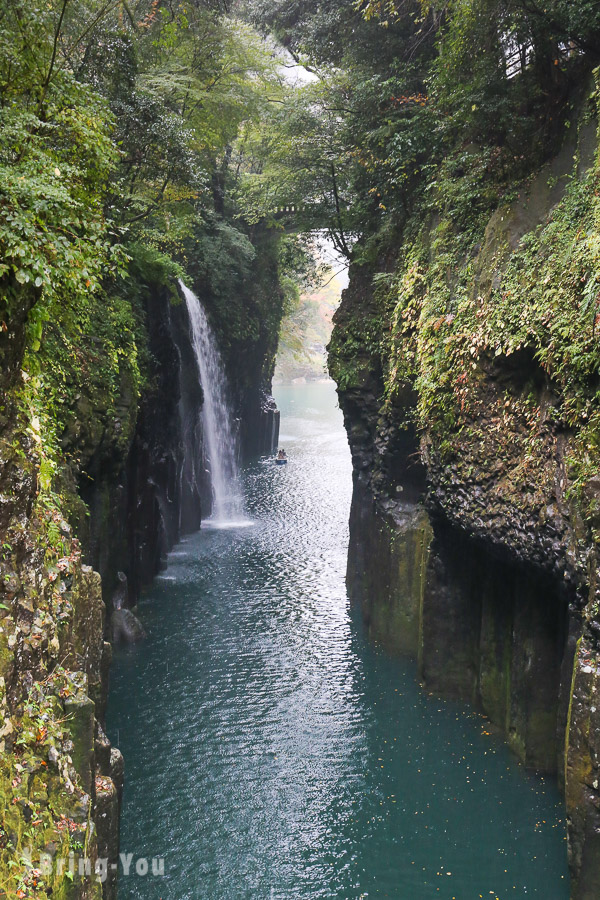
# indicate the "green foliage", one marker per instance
pixel 225 257
pixel 56 154
pixel 306 330
pixel 355 351
pixel 346 150
pixel 548 298
pixel 122 127
pixel 405 91
pixel 469 303
pixel 53 232
pixel 305 168
pixel 116 129
pixel 120 130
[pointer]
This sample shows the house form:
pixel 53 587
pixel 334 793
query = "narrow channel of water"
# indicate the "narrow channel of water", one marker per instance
pixel 272 752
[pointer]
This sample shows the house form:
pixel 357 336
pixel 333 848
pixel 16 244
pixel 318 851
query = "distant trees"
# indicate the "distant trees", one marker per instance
pixel 406 85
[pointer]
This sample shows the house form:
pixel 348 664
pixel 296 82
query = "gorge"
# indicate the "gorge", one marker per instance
pixel 272 749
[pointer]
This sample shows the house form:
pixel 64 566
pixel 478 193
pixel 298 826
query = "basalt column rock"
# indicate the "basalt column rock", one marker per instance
pixel 195 490
pixel 270 426
pixel 390 593
pixel 482 629
pixel 259 423
pixel 124 624
pixel 156 459
pixel 582 766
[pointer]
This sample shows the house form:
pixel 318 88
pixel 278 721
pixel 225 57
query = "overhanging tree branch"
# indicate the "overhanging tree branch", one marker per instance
pixel 48 78
pixel 343 246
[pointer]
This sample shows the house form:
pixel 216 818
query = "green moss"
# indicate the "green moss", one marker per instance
pixel 493 269
pixel 395 607
pixel 41 793
pixel 495 665
pixel 539 740
pixel 356 348
pixel 79 711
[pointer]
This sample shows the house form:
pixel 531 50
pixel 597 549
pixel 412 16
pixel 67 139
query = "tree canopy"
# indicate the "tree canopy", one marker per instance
pixel 118 123
pixel 404 88
pixel 163 124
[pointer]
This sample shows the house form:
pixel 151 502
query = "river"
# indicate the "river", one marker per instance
pixel 273 752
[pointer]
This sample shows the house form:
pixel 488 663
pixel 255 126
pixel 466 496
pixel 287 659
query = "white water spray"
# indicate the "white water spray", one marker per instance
pixel 219 431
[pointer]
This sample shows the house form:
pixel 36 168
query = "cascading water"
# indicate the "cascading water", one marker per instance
pixel 219 431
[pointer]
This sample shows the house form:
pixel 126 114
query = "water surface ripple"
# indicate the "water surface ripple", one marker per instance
pixel 272 752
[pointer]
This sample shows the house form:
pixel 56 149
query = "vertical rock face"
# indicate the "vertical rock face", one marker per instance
pixel 51 687
pixel 245 318
pixel 391 592
pixel 582 773
pixel 497 634
pixel 194 484
pixel 261 428
pixel 469 547
pixel 137 466
pixel 140 504
pixel 154 470
pixel 481 629
pixel 486 624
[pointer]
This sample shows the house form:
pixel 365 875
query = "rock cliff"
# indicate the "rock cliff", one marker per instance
pixel 467 367
pixel 100 473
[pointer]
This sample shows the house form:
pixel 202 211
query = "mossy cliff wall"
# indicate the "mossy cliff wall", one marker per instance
pixel 467 367
pixel 100 472
pixel 59 777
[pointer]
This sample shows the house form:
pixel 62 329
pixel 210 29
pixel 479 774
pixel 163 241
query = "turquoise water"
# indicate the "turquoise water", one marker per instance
pixel 272 752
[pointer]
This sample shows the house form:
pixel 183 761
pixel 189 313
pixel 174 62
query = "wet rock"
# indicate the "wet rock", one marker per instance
pixel 506 587
pixel 126 627
pixel 390 593
pixel 79 710
pixel 120 596
pixel 53 757
pixel 106 816
pixel 582 776
pixel 117 769
pixel 102 749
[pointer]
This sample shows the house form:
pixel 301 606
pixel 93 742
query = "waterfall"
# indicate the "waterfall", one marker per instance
pixel 219 432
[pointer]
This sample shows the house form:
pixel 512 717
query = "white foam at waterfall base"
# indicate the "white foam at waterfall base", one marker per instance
pixel 219 432
pixel 218 525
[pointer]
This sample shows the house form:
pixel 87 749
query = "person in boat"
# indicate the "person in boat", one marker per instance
pixel 282 455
